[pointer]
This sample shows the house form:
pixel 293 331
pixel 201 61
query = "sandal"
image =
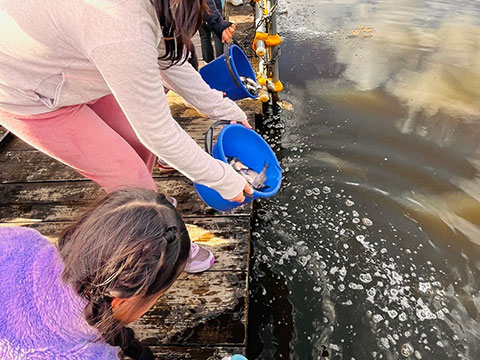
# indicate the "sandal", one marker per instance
pixel 199 260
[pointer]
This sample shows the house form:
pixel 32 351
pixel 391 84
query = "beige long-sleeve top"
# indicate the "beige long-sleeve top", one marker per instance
pixel 56 53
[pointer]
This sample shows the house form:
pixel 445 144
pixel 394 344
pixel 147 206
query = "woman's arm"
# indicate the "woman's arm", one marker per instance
pixel 131 70
pixel 186 82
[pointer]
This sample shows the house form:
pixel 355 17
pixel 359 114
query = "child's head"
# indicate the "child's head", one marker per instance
pixel 122 255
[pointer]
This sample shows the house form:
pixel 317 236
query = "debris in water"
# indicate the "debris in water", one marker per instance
pixel 326 190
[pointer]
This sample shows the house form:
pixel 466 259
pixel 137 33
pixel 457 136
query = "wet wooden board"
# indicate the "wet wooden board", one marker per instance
pixel 198 309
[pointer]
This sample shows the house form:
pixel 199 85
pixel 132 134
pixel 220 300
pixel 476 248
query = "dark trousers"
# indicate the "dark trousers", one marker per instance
pixel 207 48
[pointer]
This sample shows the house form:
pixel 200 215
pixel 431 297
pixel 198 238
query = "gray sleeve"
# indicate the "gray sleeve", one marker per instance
pixel 131 71
pixel 187 82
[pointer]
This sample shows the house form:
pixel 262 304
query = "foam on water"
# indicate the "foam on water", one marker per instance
pixel 351 262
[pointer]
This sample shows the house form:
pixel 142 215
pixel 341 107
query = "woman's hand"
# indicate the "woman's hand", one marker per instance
pixel 240 198
pixel 244 123
pixel 227 34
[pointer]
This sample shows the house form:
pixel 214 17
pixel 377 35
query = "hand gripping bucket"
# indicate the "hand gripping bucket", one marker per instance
pixel 224 73
pixel 250 148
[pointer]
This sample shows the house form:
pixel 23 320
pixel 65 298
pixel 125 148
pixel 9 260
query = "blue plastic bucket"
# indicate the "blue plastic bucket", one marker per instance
pixel 250 148
pixel 218 75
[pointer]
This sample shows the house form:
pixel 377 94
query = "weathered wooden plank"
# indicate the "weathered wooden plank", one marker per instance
pixel 195 353
pixel 198 309
pixel 35 166
pixel 65 201
pixel 227 237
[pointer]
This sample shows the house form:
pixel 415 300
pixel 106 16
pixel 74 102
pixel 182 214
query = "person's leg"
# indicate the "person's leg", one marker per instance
pixel 78 137
pixel 193 59
pixel 218 45
pixel 110 112
pixel 206 42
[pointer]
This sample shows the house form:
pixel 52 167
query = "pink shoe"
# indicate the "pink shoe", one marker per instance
pixel 199 260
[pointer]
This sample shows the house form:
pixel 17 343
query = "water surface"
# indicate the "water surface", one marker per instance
pixel 372 248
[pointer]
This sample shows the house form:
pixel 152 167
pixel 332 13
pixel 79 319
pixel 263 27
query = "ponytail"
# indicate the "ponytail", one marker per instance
pixel 119 335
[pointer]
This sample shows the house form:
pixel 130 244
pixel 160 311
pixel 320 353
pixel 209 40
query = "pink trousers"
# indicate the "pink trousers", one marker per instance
pixel 94 139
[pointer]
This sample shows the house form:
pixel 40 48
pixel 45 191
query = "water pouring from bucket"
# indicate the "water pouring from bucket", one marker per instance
pixel 232 73
pixel 246 151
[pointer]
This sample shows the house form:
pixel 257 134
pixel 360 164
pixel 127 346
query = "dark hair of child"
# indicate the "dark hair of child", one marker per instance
pixel 132 243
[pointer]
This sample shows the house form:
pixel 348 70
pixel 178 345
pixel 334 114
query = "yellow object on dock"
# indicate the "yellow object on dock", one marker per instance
pixel 278 86
pixel 270 40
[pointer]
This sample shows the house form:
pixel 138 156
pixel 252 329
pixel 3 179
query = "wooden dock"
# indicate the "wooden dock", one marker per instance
pixel 202 316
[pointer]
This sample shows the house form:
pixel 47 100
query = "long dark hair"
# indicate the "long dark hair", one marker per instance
pixel 131 243
pixel 179 20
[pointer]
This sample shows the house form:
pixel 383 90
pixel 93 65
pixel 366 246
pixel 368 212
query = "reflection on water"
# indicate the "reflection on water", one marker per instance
pixel 372 248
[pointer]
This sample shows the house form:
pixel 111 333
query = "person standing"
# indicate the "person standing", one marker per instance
pixel 215 28
pixel 83 81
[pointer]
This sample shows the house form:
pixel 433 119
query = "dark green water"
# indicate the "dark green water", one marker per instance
pixel 372 248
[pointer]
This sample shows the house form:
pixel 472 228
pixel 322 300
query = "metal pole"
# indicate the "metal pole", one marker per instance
pixel 276 49
pixel 259 27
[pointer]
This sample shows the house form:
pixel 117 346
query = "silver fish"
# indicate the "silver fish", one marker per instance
pixel 251 90
pixel 256 180
pixel 251 85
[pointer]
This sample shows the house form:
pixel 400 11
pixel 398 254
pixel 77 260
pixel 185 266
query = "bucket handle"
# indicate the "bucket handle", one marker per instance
pixel 209 134
pixel 209 143
pixel 226 52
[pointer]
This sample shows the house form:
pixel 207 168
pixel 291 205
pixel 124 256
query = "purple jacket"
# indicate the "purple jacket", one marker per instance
pixel 40 316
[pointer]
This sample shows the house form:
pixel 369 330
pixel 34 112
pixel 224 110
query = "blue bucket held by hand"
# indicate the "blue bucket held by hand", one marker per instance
pixel 237 141
pixel 224 73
